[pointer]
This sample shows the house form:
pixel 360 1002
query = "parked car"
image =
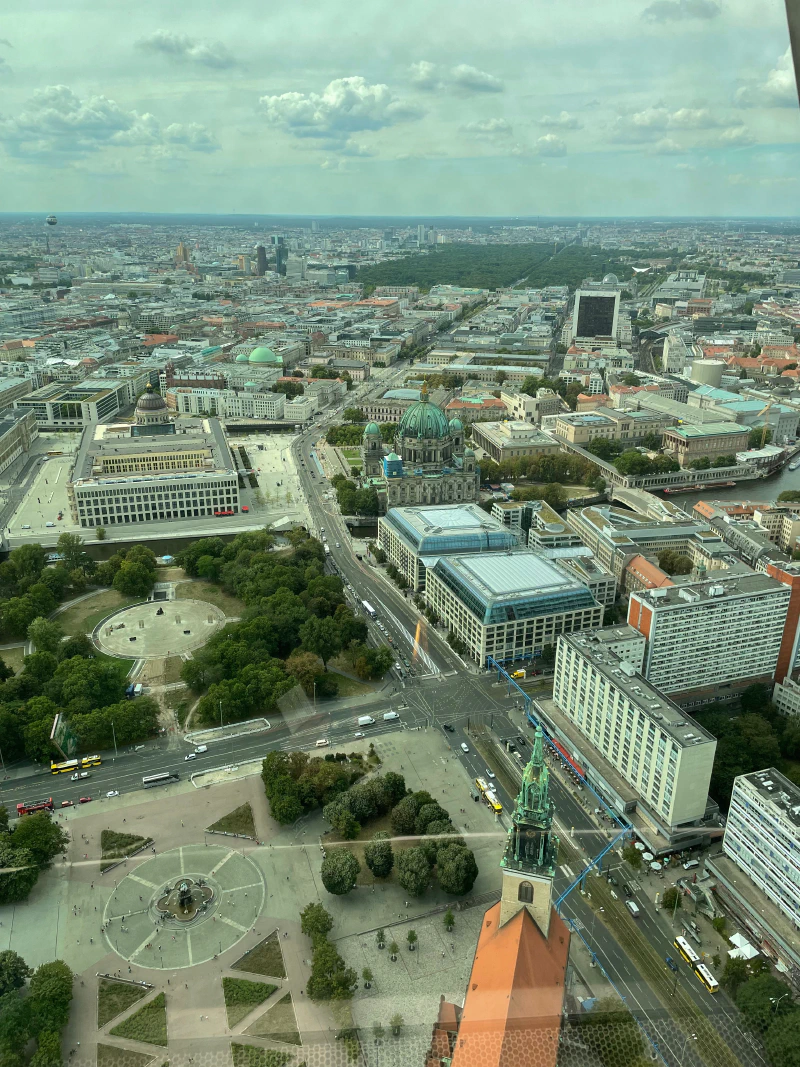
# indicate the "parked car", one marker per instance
pixel 84 800
pixel 66 803
pixel 113 793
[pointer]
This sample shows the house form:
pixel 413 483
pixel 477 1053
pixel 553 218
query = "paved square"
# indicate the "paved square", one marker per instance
pixel 142 633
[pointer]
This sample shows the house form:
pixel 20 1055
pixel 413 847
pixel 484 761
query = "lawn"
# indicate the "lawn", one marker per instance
pixel 13 657
pixel 350 687
pixel 242 996
pixel 83 617
pixel 148 1024
pixel 211 594
pixel 238 821
pixel 111 1056
pixel 172 670
pixel 115 997
pixel 252 1056
pixel 266 958
pixel 365 876
pixel 115 846
pixel 278 1023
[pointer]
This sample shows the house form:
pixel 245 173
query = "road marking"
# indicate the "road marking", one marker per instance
pixel 143 945
pixel 142 881
pixel 222 862
pixel 183 865
pixel 189 946
pixel 235 925
pixel 567 871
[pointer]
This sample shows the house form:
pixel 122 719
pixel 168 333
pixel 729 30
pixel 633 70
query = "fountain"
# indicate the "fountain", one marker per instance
pixel 185 900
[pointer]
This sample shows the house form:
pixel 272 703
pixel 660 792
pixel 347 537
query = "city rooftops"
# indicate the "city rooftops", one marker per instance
pixel 449 528
pixel 518 584
pixel 620 674
pixel 586 418
pixel 779 791
pixel 709 429
pixel 713 589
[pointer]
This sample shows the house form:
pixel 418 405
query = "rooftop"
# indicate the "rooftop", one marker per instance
pixel 712 590
pixel 448 528
pixel 782 795
pixel 709 429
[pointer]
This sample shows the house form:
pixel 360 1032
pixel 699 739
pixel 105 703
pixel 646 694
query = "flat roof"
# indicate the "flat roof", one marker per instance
pixel 449 528
pixel 712 590
pixel 779 792
pixel 709 429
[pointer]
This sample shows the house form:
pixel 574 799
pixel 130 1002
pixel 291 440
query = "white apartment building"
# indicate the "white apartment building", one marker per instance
pixel 227 403
pixel 711 635
pixel 786 697
pixel 762 836
pixel 665 756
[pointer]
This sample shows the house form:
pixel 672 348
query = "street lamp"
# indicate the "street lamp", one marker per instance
pixel 775 1001
pixel 114 735
pixel 220 715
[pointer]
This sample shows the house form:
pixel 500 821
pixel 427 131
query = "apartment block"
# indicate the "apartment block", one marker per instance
pixel 665 756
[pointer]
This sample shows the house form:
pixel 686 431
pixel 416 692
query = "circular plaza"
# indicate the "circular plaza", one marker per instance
pixel 158 629
pixel 183 907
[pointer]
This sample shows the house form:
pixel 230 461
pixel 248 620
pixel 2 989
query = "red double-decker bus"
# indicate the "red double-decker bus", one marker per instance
pixel 29 807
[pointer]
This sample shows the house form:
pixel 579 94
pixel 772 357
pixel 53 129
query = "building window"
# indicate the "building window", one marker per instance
pixel 525 893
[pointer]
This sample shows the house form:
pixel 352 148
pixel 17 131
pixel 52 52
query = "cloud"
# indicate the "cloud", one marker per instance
pixel 689 118
pixel 562 121
pixel 187 49
pixel 749 179
pixel 777 90
pixel 680 10
pixel 640 126
pixel 474 80
pixel 345 106
pixel 737 135
pixel 667 147
pixel 57 123
pixel 487 127
pixel 425 75
pixel 354 148
pixel 550 145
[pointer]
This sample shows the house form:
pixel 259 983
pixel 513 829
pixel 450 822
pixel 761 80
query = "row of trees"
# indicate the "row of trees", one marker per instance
pixel 767 1006
pixel 25 852
pixel 37 1013
pixel 330 979
pixel 704 464
pixel 352 432
pixel 352 500
pixel 559 467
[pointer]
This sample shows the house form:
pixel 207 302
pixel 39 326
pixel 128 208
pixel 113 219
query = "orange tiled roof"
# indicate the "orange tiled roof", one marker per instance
pixel 649 573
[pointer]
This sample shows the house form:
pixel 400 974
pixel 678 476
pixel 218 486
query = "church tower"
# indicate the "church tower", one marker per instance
pixel 529 861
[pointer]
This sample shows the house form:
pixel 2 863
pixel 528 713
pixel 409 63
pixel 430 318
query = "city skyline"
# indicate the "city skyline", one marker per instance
pixel 673 108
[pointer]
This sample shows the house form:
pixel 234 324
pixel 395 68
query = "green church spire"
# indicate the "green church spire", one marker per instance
pixel 531 846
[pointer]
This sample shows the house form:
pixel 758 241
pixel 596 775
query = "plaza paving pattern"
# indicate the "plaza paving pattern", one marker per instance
pixel 184 626
pixel 136 931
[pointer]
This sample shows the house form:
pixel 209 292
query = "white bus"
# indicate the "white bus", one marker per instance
pixel 369 609
pixel 165 778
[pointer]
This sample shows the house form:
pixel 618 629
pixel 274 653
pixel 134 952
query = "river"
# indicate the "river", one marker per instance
pixel 763 490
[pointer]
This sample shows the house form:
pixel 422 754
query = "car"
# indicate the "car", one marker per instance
pixel 521 740
pixel 84 800
pixel 66 803
pixel 192 755
pixel 359 733
pixel 398 667
pixel 670 962
pixel 49 524
pixel 322 743
pixel 76 777
pixel 113 793
pixel 338 545
pixel 488 773
pixel 245 507
pixel 26 526
pixel 406 662
pixel 464 747
pixel 450 729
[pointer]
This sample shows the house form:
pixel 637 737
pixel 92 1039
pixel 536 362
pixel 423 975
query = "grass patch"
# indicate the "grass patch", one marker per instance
pixel 266 958
pixel 111 1056
pixel 242 996
pixel 211 594
pixel 13 658
pixel 122 666
pixel 83 617
pixel 148 1024
pixel 278 1023
pixel 238 821
pixel 350 687
pixel 172 670
pixel 115 846
pixel 252 1056
pixel 115 997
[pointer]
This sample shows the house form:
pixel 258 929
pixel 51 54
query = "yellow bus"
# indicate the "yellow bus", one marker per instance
pixel 493 802
pixel 686 950
pixel 482 785
pixel 706 977
pixel 75 764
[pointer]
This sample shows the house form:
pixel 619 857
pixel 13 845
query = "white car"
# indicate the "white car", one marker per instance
pixel 49 524
pixel 76 777
pixel 192 755
pixel 113 793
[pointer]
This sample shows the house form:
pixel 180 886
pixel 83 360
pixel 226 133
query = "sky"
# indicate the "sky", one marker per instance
pixel 401 107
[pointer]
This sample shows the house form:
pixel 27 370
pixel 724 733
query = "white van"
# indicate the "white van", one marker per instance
pixel 322 743
pixel 201 748
pixel 366 720
pixel 633 908
pixel 690 864
pixel 390 716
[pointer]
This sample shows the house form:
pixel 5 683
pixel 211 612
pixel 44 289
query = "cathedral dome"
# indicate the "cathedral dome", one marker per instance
pixel 456 426
pixel 243 357
pixel 372 428
pixel 262 354
pixel 150 403
pixel 423 420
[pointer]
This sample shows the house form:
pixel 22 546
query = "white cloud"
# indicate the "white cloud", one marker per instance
pixel 563 121
pixel 345 106
pixel 640 126
pixel 667 147
pixel 689 118
pixel 354 148
pixel 777 90
pixel 187 49
pixel 487 127
pixel 57 123
pixel 474 80
pixel 680 10
pixel 750 179
pixel 550 145
pixel 426 75
pixel 737 135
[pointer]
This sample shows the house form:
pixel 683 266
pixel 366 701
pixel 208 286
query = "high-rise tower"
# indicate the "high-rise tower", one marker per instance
pixel 529 861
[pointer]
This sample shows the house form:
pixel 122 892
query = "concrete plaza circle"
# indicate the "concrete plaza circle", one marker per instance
pixel 130 916
pixel 139 632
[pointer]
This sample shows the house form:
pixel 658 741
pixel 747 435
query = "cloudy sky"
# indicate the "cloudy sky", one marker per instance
pixel 440 107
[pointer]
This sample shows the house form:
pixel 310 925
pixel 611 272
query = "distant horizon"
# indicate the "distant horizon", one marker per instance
pixel 523 220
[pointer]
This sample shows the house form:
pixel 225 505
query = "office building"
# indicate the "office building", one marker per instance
pixel 665 756
pixel 508 605
pixel 786 697
pixel 73 405
pixel 261 261
pixel 510 440
pixel 762 843
pixel 595 313
pixel 414 538
pixel 12 389
pixel 524 408
pixel 148 472
pixel 18 430
pixel 710 639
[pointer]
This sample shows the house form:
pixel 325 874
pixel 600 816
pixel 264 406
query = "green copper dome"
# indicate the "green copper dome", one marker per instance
pixel 243 357
pixel 424 420
pixel 372 428
pixel 456 426
pixel 262 354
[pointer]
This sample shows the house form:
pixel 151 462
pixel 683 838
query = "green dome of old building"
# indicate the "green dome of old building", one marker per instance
pixel 423 420
pixel 456 426
pixel 262 354
pixel 243 357
pixel 372 428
